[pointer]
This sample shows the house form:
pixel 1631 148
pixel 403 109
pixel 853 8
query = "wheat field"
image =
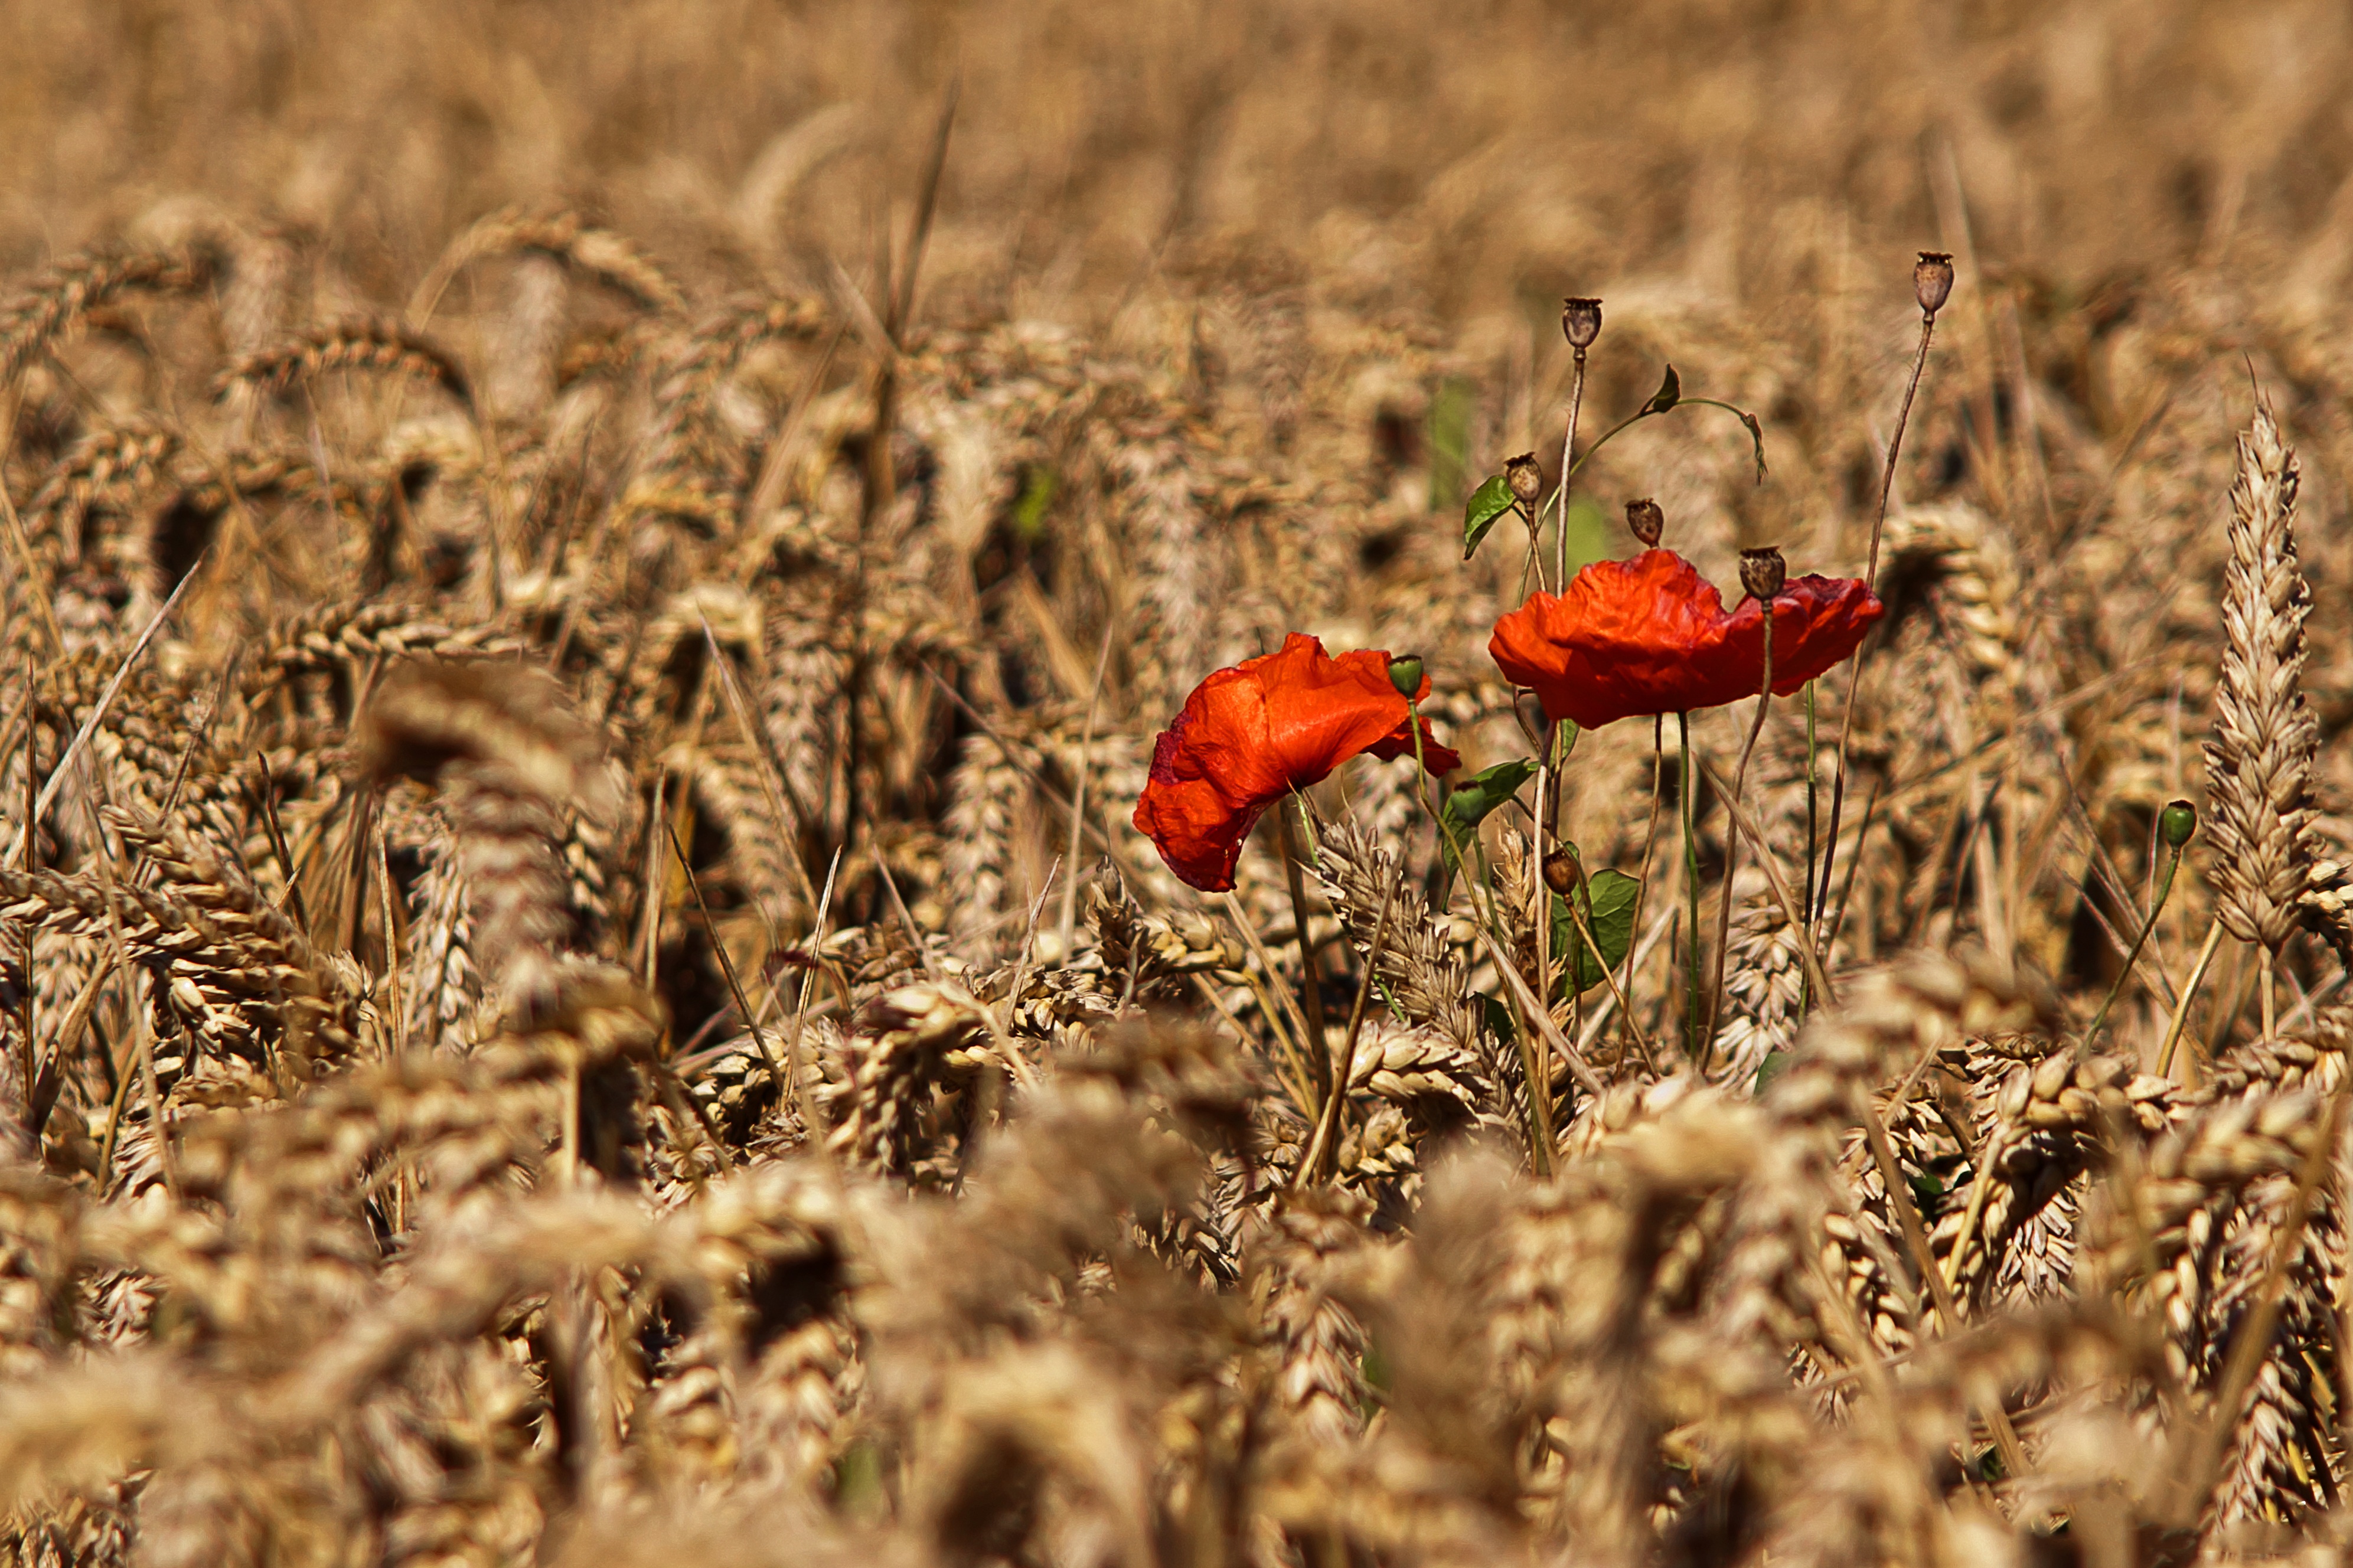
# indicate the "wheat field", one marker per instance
pixel 588 595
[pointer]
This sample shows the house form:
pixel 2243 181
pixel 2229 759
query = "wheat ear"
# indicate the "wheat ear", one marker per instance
pixel 2259 764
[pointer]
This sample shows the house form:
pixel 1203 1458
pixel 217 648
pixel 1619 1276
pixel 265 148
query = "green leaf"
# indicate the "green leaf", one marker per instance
pixel 1606 900
pixel 1488 502
pixel 1775 1064
pixel 1669 393
pixel 1468 805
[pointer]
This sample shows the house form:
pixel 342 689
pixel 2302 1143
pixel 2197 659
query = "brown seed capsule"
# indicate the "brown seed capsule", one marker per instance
pixel 1762 572
pixel 1561 870
pixel 1580 319
pixel 1525 477
pixel 1647 520
pixel 1932 280
pixel 1405 674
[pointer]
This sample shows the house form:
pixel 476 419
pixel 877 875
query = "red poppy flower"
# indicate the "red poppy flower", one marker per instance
pixel 1252 734
pixel 1651 636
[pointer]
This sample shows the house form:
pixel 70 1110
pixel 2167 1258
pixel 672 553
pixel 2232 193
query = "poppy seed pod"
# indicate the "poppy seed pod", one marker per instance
pixel 1647 521
pixel 1525 475
pixel 2176 824
pixel 1580 321
pixel 1932 280
pixel 1561 870
pixel 1405 674
pixel 1762 572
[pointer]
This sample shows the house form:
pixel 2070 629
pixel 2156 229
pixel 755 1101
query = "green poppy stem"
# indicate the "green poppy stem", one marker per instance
pixel 1805 990
pixel 1684 784
pixel 1319 1048
pixel 2157 907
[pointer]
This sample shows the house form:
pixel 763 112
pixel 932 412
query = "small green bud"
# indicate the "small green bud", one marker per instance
pixel 1405 674
pixel 2176 824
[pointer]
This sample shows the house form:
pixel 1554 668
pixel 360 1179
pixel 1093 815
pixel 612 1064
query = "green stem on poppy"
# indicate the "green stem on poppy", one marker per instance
pixel 1747 419
pixel 1731 845
pixel 1318 1049
pixel 1567 446
pixel 2157 907
pixel 1805 990
pixel 1642 888
pixel 1685 787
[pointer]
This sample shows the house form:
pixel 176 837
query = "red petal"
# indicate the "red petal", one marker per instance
pixel 1251 734
pixel 1650 636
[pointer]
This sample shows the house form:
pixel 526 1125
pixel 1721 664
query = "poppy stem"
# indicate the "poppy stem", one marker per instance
pixel 1805 999
pixel 1871 578
pixel 1567 450
pixel 1642 888
pixel 1731 845
pixel 1685 786
pixel 1319 1049
pixel 2156 908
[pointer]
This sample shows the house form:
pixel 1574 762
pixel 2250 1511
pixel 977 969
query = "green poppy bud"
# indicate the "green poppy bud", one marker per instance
pixel 2176 824
pixel 1405 674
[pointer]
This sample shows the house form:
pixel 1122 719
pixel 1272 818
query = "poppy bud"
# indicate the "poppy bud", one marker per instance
pixel 1580 320
pixel 1932 280
pixel 1525 475
pixel 1647 521
pixel 2175 823
pixel 1561 870
pixel 1405 674
pixel 1762 572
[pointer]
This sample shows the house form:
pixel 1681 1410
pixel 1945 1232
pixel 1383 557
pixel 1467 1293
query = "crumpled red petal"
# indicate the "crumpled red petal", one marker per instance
pixel 1251 734
pixel 1651 636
